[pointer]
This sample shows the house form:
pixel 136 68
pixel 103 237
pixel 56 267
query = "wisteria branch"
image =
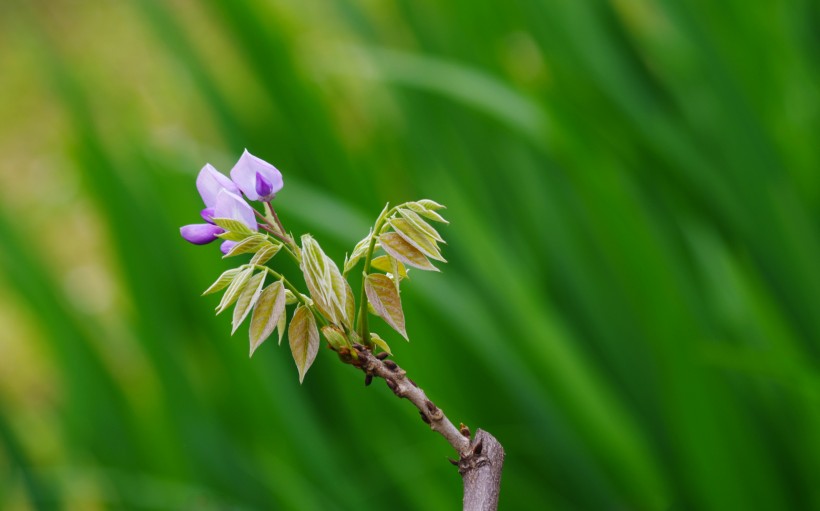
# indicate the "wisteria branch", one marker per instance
pixel 480 459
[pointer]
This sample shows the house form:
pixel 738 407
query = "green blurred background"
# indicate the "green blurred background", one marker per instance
pixel 630 304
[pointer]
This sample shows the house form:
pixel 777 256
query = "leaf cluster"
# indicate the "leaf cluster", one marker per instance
pixel 402 237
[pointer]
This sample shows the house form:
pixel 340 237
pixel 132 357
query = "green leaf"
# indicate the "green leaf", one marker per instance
pixel 235 230
pixel 339 297
pixel 304 339
pixel 389 264
pixel 421 208
pixel 222 282
pixel 350 307
pixel 419 223
pixel 382 295
pixel 358 252
pixel 378 341
pixel 290 298
pixel 383 214
pixel 417 238
pixel 335 337
pixel 247 299
pixel 248 245
pixel 267 315
pixel 282 324
pixel 430 205
pixel 395 245
pixel 319 274
pixel 264 254
pixel 234 289
pixel 229 224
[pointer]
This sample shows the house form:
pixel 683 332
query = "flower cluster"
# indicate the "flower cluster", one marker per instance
pixel 252 177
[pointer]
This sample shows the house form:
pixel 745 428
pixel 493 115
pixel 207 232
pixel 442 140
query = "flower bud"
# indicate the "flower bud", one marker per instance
pixel 207 214
pixel 200 234
pixel 226 246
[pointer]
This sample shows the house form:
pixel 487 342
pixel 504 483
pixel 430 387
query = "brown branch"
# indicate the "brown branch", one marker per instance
pixel 480 460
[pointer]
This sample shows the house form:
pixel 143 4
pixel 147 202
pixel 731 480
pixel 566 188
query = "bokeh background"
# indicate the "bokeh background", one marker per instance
pixel 631 299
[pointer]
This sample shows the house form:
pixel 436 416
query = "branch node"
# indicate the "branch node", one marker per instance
pixel 424 417
pixel 390 365
pixel 392 384
pixel 464 430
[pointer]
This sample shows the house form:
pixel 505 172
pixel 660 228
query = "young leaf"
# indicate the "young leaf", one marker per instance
pixel 282 324
pixel 339 297
pixel 222 282
pixel 248 245
pixel 247 299
pixel 419 223
pixel 350 307
pixel 395 272
pixel 235 230
pixel 417 238
pixel 382 295
pixel 268 314
pixel 431 205
pixel 304 339
pixel 389 264
pixel 335 337
pixel 229 224
pixel 236 287
pixel 290 298
pixel 319 276
pixel 358 252
pixel 264 254
pixel 427 208
pixel 378 341
pixel 395 245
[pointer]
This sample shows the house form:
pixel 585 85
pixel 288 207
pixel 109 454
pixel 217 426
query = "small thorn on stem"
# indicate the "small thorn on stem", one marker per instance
pixel 465 431
pixel 383 355
pixel 451 460
pixel 424 417
pixel 390 365
pixel 368 379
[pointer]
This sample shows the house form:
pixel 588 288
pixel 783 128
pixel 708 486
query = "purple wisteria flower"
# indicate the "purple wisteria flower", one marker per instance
pixel 222 200
pixel 258 179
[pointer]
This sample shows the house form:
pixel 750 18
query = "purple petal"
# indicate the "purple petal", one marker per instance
pixel 230 205
pixel 226 246
pixel 207 214
pixel 244 175
pixel 210 182
pixel 200 234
